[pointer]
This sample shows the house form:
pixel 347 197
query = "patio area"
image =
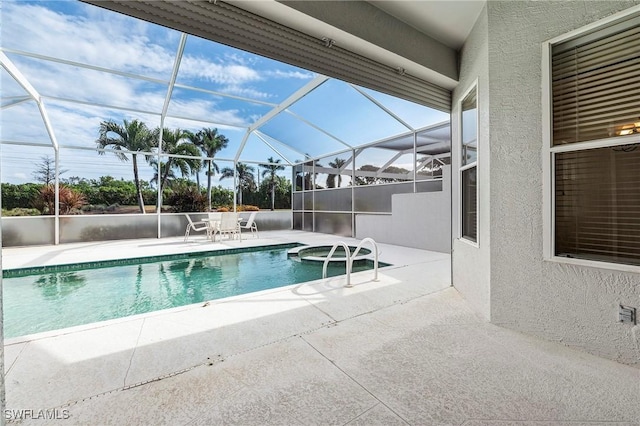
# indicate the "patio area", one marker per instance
pixel 407 349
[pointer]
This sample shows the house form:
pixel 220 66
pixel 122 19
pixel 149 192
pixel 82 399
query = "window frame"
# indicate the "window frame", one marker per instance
pixel 474 164
pixel 549 151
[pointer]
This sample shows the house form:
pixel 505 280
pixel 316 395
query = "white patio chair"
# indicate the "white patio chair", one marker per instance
pixel 250 224
pixel 229 225
pixel 196 227
pixel 213 220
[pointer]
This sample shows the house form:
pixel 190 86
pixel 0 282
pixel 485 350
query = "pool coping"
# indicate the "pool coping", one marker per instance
pixel 70 267
pixel 168 311
pixel 296 252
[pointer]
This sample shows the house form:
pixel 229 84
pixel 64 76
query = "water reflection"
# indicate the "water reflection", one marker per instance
pixel 59 285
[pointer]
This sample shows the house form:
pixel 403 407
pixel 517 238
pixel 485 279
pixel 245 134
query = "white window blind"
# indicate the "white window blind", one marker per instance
pixel 596 99
pixel 596 84
pixel 598 204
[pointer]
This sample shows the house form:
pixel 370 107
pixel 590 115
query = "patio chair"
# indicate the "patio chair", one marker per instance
pixel 213 221
pixel 196 227
pixel 250 224
pixel 229 224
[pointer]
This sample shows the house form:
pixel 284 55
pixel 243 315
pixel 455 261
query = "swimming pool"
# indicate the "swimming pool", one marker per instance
pixel 50 298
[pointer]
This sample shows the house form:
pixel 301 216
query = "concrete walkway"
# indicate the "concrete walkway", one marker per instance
pixel 404 350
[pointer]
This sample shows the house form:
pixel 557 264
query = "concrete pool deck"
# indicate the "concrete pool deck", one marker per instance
pixel 407 349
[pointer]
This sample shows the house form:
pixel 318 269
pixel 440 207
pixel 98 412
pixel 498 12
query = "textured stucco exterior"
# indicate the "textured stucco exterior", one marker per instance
pixel 471 266
pixel 575 305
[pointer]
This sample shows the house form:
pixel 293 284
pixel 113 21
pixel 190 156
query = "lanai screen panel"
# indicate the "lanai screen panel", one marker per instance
pixel 346 114
pixel 73 31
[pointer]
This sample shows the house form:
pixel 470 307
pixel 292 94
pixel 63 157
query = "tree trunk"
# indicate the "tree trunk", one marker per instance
pixel 209 184
pixel 136 179
pixel 165 175
pixel 273 196
pixel 198 179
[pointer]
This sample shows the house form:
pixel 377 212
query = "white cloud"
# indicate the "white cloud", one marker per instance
pixel 107 39
pixel 300 75
pixel 111 40
pixel 95 36
pixel 207 110
pixel 232 73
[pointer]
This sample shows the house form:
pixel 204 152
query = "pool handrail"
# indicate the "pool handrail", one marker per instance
pixel 375 255
pixel 350 257
pixel 347 261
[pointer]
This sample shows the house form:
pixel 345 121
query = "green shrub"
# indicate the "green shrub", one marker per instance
pixel 187 199
pixel 19 196
pixel 20 211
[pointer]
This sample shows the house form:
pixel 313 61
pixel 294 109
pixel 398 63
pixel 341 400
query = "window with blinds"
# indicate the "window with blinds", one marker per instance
pixel 469 166
pixel 596 84
pixel 596 144
pixel 598 204
pixel 469 205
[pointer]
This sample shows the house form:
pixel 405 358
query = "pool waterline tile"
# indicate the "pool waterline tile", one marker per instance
pixel 39 270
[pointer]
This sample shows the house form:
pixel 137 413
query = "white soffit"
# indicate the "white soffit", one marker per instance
pixel 449 22
pixel 292 18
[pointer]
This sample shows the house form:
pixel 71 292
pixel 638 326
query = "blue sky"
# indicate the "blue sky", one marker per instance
pixel 74 31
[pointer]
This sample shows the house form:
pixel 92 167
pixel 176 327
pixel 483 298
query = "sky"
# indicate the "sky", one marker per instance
pixel 329 119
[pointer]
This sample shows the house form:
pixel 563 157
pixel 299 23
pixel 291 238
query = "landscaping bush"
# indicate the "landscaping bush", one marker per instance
pixel 239 208
pixel 19 196
pixel 21 211
pixel 70 201
pixel 187 199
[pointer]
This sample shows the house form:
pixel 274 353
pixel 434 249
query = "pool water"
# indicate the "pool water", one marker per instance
pixel 50 301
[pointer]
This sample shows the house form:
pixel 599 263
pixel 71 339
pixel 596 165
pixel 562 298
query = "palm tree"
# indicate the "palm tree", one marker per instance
pixel 246 180
pixel 194 139
pixel 173 144
pixel 210 142
pixel 331 179
pixel 132 136
pixel 167 178
pixel 270 172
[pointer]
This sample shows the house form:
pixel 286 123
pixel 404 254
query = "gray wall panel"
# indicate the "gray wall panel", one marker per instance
pixel 333 200
pixel 27 231
pixel 175 224
pixel 307 224
pixel 377 198
pixel 429 186
pixel 107 227
pixel 297 221
pixel 297 200
pixel 271 220
pixel 39 230
pixel 308 201
pixel 334 223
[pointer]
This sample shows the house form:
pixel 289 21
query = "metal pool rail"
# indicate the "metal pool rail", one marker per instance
pixel 350 257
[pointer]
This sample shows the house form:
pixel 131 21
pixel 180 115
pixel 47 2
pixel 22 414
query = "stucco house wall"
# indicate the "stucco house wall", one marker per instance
pixel 574 305
pixel 471 265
